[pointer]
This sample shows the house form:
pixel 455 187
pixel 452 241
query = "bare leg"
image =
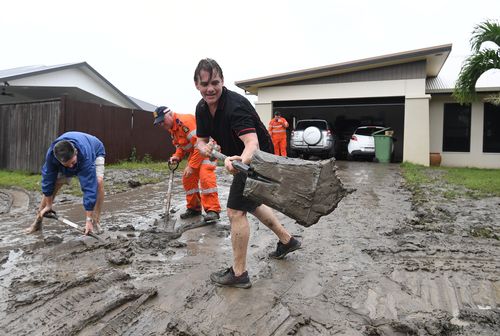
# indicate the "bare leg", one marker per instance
pixel 268 218
pixel 100 200
pixel 240 234
pixel 37 224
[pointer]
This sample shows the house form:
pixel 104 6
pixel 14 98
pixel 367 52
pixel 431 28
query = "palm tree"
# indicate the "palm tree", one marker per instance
pixel 479 62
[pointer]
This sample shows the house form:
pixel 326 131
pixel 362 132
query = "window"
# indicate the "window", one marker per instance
pixel 456 128
pixel 491 129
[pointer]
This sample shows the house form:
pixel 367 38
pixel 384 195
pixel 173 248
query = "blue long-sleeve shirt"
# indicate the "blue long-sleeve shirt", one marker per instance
pixel 88 148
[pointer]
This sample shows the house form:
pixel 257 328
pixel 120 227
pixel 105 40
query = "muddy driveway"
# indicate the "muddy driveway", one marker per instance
pixel 381 264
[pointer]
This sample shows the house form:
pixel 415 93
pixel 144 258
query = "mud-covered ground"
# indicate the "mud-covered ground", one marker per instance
pixel 385 262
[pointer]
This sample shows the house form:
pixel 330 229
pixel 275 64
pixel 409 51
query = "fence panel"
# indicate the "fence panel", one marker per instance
pixel 27 130
pixel 112 125
pixel 150 139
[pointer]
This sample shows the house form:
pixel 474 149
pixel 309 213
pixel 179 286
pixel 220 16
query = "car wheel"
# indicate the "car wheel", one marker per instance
pixel 312 135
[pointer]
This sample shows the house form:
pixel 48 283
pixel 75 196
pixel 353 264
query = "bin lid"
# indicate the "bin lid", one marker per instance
pixel 380 131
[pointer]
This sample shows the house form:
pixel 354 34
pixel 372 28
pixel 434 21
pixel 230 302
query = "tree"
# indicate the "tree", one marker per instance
pixel 479 62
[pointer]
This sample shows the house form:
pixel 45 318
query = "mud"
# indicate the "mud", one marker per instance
pixel 387 261
pixel 303 190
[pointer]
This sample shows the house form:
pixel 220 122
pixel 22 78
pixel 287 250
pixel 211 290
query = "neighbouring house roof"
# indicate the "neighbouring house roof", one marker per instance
pixel 43 91
pixel 144 105
pixel 435 57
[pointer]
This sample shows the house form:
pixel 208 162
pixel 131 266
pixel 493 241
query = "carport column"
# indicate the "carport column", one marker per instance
pixel 265 111
pixel 416 134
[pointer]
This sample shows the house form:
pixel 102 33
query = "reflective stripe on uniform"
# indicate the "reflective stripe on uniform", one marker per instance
pixel 208 162
pixel 279 131
pixel 188 146
pixel 191 134
pixel 192 191
pixel 209 191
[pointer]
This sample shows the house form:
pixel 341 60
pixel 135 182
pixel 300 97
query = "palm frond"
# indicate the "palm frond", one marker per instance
pixel 474 66
pixel 488 31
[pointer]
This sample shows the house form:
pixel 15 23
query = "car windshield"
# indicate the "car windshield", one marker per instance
pixel 367 130
pixel 303 124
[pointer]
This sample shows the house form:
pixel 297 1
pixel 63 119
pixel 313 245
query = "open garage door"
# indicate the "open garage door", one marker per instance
pixel 345 115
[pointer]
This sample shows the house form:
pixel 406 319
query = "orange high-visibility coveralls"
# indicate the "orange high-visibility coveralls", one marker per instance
pixel 201 185
pixel 277 130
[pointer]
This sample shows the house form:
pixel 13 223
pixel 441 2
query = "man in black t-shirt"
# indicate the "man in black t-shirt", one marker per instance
pixel 233 123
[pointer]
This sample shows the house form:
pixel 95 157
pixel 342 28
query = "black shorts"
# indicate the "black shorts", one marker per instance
pixel 236 200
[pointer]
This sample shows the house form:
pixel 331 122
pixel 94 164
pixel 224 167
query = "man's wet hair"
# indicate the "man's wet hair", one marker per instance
pixel 64 151
pixel 210 66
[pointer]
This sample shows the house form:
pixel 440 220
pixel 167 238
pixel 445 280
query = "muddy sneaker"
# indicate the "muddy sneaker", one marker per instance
pixel 211 217
pixel 190 213
pixel 37 225
pixel 283 249
pixel 226 278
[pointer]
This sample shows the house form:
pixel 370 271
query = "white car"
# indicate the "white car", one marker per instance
pixel 312 137
pixel 362 143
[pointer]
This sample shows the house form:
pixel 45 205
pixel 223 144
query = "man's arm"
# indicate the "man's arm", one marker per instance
pixel 251 145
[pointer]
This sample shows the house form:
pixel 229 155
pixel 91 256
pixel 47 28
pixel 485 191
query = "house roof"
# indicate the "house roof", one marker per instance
pixel 445 85
pixel 144 105
pixel 45 91
pixel 434 57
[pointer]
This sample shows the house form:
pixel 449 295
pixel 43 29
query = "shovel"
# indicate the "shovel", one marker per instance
pixel 302 190
pixel 52 214
pixel 168 224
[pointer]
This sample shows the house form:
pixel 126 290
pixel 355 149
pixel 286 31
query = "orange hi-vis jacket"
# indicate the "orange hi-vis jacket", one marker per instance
pixel 277 130
pixel 201 185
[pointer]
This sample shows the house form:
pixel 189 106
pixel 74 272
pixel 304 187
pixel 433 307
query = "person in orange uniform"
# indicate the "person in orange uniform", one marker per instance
pixel 277 130
pixel 198 179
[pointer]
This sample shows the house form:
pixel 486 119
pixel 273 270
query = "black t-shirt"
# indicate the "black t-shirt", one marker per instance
pixel 235 116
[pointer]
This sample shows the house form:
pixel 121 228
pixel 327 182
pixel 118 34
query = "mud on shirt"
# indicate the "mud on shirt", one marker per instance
pixel 235 116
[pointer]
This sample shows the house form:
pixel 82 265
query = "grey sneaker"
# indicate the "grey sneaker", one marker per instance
pixel 283 249
pixel 190 213
pixel 226 278
pixel 211 216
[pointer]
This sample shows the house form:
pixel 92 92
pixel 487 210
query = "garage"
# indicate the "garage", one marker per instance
pixel 345 115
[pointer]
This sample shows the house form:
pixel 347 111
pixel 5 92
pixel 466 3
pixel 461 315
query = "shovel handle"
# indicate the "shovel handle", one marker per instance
pixel 236 164
pixel 52 214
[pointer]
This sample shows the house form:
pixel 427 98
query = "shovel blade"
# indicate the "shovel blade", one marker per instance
pixel 304 190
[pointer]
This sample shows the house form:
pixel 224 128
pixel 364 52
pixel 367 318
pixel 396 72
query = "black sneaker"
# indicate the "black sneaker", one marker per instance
pixel 283 249
pixel 190 213
pixel 226 278
pixel 211 216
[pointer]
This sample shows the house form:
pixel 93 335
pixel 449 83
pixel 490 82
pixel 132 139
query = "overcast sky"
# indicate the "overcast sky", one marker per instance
pixel 149 49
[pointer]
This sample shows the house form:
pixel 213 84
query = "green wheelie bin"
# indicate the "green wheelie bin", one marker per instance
pixel 383 146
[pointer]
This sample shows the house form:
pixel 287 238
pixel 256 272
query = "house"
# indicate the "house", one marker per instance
pixel 402 91
pixel 76 81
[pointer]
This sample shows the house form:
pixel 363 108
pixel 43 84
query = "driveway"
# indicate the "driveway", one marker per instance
pixel 380 264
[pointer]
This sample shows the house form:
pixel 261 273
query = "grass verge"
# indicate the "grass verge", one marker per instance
pixel 479 182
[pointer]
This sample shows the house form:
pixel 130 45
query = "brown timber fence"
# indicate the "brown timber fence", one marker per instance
pixel 28 129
